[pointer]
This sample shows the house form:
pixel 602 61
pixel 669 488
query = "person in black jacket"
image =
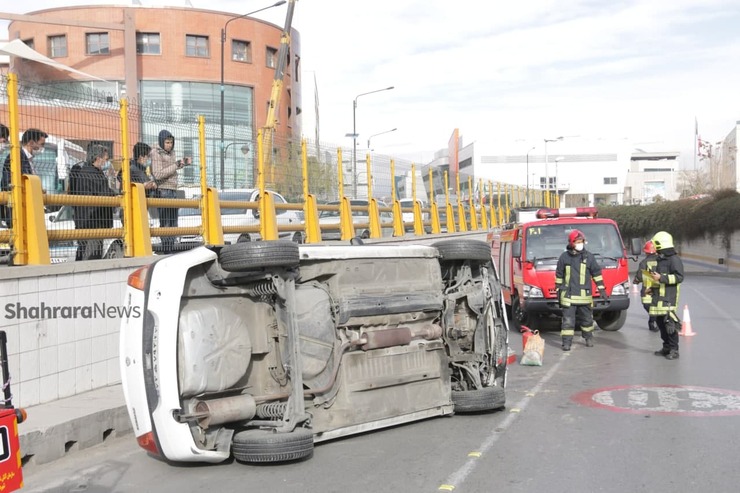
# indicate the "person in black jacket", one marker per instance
pixel 138 169
pixel 89 179
pixel 32 141
pixel 668 276
pixel 576 267
pixel 647 265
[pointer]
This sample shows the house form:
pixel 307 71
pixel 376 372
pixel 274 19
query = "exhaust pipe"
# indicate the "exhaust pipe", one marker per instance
pixel 225 410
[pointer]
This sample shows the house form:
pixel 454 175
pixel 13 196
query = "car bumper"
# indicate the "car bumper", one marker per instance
pixel 552 307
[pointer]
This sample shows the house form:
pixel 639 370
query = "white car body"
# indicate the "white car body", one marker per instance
pixel 376 335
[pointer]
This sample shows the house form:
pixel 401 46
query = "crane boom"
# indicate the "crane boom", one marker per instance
pixel 268 131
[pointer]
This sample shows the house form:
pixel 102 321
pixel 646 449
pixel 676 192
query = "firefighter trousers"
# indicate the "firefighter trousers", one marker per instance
pixel 577 316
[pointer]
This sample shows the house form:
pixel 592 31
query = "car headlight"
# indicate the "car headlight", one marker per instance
pixel 620 289
pixel 532 291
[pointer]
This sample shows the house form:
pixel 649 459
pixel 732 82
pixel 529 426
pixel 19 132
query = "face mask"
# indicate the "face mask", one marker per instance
pixel 579 247
pixel 3 146
pixel 38 151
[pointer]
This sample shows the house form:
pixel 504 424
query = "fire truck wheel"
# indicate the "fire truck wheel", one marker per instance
pixel 267 446
pixel 612 321
pixel 518 317
pixel 241 257
pixel 463 250
pixel 485 399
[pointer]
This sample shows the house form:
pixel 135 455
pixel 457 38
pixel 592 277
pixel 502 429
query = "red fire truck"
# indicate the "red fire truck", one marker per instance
pixel 527 253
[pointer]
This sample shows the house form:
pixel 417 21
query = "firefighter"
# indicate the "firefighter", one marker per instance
pixel 667 278
pixel 576 268
pixel 647 264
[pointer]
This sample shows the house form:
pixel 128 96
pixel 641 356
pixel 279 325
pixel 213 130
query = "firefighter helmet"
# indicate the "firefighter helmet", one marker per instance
pixel 662 240
pixel 649 247
pixel 574 236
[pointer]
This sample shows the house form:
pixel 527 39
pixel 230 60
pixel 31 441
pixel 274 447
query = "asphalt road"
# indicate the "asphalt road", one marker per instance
pixel 612 418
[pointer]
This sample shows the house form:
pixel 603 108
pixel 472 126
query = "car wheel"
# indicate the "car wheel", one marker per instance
pixel 244 238
pixel 365 235
pixel 463 250
pixel 115 250
pixel 268 446
pixel 612 321
pixel 298 238
pixel 485 399
pixel 258 255
pixel 518 317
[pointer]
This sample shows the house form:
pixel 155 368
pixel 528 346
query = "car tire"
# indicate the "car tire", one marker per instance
pixel 518 317
pixel 612 321
pixel 244 238
pixel 115 250
pixel 298 238
pixel 365 235
pixel 463 250
pixel 242 257
pixel 485 399
pixel 265 446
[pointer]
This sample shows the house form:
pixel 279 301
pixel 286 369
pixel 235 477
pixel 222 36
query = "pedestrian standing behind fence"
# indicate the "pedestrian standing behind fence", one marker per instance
pixel 138 169
pixel 32 142
pixel 668 276
pixel 164 170
pixel 647 264
pixel 89 179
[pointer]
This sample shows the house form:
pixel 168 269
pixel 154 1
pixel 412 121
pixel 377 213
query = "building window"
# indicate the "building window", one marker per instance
pixel 57 46
pixel 241 51
pixel 97 44
pixel 28 42
pixel 196 45
pixel 271 57
pixel 610 181
pixel 148 44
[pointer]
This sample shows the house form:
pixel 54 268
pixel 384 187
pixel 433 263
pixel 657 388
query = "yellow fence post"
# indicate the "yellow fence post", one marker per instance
pixel 37 240
pixel 462 221
pixel 449 211
pixel 210 206
pixel 433 203
pixel 310 207
pixel 268 221
pixel 19 238
pixel 471 205
pixel 481 199
pixel 398 227
pixel 418 225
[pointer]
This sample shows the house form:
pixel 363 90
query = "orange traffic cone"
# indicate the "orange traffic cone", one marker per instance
pixel 686 329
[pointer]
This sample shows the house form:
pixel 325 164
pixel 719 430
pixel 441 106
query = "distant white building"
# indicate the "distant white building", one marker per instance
pixel 584 172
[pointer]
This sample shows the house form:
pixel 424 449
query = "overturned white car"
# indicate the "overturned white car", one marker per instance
pixel 259 350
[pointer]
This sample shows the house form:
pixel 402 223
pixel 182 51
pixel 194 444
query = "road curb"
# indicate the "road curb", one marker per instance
pixel 59 428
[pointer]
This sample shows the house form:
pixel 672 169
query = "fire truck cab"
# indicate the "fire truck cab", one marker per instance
pixel 527 252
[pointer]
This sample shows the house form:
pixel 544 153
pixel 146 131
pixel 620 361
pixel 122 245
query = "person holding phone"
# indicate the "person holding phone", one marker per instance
pixel 164 169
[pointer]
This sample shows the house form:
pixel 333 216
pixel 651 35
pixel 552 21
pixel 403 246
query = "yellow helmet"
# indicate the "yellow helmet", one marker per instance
pixel 662 240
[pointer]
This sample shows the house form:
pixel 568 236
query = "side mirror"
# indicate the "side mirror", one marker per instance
pixel 516 249
pixel 636 246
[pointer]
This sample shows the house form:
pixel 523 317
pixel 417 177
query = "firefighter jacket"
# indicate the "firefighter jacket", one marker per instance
pixel 665 294
pixel 573 277
pixel 648 263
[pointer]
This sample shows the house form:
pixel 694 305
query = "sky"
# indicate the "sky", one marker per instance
pixel 649 71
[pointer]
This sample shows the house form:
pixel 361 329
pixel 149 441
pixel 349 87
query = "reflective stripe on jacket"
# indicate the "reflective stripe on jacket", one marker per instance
pixel 665 295
pixel 573 277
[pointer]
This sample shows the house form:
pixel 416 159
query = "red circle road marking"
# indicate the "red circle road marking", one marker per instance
pixel 676 400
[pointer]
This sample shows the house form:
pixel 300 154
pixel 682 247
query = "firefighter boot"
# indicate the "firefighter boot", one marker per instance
pixel 589 338
pixel 567 341
pixel 672 354
pixel 663 352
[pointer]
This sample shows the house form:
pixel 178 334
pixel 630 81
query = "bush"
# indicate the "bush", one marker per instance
pixel 685 219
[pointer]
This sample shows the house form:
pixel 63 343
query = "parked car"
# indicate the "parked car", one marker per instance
pixel 65 251
pixel 260 349
pixel 331 218
pixel 190 217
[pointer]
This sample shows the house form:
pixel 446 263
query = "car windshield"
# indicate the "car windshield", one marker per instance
pixel 549 241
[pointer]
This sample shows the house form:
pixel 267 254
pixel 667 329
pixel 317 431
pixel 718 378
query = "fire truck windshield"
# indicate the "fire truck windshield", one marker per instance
pixel 549 241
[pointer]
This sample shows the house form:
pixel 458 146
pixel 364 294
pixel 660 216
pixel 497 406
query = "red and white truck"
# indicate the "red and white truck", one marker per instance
pixel 527 251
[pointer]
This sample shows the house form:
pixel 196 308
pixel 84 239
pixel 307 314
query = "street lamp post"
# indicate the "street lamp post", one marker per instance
pixel 379 133
pixel 354 136
pixel 223 42
pixel 526 198
pixel 547 176
pixel 557 185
